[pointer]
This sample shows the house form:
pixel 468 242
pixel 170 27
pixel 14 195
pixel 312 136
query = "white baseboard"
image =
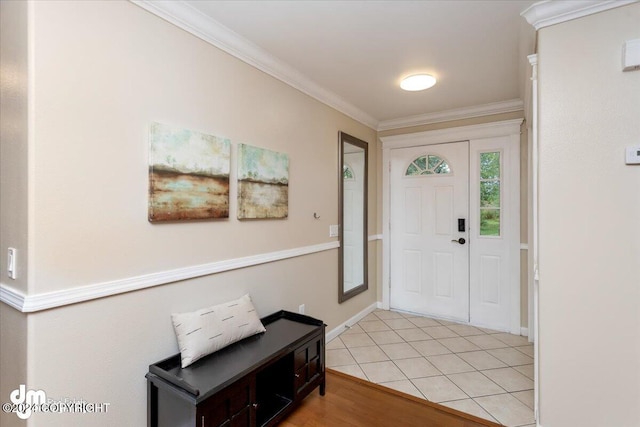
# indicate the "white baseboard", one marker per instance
pixel 524 332
pixel 352 321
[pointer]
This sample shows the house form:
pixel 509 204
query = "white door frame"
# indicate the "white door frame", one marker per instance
pixel 509 128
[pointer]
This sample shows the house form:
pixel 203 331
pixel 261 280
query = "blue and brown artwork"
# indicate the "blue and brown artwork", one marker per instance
pixel 188 174
pixel 263 183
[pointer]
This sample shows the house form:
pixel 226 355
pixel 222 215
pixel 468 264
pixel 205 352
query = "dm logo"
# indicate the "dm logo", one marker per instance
pixel 25 400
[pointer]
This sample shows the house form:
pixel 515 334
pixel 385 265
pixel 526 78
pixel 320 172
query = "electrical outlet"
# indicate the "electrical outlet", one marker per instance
pixel 301 309
pixel 334 230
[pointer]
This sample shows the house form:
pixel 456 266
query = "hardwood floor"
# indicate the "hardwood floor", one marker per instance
pixel 350 401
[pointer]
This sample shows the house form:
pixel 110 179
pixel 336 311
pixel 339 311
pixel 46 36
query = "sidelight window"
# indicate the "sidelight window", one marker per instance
pixel 490 193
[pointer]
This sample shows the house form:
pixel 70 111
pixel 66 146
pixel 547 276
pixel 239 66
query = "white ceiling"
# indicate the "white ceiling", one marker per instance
pixel 359 50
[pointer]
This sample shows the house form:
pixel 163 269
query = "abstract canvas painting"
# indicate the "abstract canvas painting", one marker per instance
pixel 263 183
pixel 188 174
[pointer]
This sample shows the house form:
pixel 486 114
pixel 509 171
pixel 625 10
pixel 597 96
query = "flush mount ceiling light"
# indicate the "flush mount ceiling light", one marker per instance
pixel 417 82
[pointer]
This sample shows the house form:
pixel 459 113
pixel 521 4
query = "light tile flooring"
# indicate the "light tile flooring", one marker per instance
pixel 478 371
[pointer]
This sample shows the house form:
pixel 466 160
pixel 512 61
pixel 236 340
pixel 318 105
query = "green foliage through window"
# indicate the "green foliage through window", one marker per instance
pixel 490 186
pixel 428 165
pixel 490 165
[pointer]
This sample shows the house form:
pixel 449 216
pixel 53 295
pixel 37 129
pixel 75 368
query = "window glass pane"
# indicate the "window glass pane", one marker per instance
pixel 489 222
pixel 433 161
pixel 490 165
pixel 412 170
pixel 428 165
pixel 490 194
pixel 421 162
pixel 442 168
pixel 347 173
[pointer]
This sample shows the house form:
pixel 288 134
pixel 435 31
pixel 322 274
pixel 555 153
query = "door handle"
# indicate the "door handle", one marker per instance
pixel 461 240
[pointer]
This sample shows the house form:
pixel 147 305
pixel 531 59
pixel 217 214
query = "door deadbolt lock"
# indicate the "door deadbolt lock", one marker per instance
pixel 461 240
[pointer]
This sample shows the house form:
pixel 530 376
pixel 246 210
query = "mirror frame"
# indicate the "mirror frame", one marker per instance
pixel 342 295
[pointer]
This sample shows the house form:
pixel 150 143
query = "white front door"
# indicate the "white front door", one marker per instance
pixel 429 245
pixel 424 270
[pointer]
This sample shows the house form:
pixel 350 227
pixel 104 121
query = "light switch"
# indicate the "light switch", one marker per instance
pixel 631 55
pixel 11 263
pixel 633 155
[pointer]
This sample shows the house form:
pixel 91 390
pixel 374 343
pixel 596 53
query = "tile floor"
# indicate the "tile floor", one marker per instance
pixel 478 371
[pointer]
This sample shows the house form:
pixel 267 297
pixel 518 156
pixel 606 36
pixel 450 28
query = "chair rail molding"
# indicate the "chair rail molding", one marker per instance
pixel 44 301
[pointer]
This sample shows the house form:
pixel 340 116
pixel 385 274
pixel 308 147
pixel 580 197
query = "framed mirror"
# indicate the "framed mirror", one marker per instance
pixel 353 277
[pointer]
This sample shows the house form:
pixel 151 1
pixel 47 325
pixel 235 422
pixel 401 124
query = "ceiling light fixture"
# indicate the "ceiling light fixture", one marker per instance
pixel 417 82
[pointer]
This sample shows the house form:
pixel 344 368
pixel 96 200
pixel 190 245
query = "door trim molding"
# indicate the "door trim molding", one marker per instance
pixel 456 134
pixel 440 136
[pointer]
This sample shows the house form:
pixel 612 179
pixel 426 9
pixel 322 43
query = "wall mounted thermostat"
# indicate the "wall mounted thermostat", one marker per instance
pixel 633 155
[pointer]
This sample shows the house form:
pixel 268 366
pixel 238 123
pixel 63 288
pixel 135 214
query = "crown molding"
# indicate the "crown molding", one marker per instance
pixel 545 13
pixel 204 27
pixel 456 114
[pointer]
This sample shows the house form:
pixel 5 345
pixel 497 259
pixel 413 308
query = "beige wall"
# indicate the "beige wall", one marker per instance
pixel 96 92
pixel 13 137
pixel 96 89
pixel 524 190
pixel 589 236
pixel 13 358
pixel 13 194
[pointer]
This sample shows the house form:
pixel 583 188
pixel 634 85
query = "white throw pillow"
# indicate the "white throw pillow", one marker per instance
pixel 205 331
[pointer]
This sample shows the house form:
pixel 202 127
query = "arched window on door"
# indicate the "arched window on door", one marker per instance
pixel 347 173
pixel 428 165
